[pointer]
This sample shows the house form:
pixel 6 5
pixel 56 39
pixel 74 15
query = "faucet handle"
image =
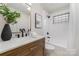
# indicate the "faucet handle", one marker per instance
pixel 18 35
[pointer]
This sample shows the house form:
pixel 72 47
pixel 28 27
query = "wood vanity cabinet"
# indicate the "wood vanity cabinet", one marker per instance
pixel 36 48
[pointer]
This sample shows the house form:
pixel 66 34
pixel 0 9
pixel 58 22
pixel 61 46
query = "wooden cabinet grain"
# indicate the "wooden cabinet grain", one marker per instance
pixel 36 48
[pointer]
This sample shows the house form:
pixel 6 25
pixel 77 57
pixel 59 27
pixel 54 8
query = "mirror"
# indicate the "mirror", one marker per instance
pixel 24 21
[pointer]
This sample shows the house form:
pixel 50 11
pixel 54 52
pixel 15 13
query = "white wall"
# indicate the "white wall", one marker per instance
pixel 72 26
pixel 75 26
pixel 36 8
pixel 59 32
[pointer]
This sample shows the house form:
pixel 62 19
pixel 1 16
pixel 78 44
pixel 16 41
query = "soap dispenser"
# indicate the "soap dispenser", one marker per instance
pixel 29 32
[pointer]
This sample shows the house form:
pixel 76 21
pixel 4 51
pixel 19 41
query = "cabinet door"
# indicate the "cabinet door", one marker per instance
pixel 37 51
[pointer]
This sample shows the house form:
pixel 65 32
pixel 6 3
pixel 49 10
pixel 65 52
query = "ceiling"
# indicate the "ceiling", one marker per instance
pixel 53 7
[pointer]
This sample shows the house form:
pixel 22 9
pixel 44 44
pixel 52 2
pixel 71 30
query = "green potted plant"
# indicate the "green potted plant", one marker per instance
pixel 9 17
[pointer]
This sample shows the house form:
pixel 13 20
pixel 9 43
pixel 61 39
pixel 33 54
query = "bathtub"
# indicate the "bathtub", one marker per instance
pixel 58 47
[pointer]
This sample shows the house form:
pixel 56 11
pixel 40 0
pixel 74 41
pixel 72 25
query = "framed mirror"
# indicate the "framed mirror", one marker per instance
pixel 24 21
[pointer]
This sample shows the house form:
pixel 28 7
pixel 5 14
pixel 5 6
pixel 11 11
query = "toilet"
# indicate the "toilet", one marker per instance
pixel 49 47
pixel 48 44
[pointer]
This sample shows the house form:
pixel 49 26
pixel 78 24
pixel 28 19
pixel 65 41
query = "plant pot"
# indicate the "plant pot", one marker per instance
pixel 6 33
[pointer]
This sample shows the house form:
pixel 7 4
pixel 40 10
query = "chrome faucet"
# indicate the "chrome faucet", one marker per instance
pixel 22 30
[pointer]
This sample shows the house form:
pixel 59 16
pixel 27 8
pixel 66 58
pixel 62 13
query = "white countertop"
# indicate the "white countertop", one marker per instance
pixel 16 42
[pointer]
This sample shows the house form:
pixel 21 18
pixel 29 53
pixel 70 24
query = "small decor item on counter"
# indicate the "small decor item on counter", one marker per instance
pixel 6 33
pixel 26 34
pixel 18 36
pixel 9 17
pixel 29 32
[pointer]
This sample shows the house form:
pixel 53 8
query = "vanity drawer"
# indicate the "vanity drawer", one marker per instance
pixel 24 50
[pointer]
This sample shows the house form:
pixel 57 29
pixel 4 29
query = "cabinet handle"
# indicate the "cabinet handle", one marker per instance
pixel 33 48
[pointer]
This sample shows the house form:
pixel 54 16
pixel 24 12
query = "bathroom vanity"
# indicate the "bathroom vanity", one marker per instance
pixel 23 47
